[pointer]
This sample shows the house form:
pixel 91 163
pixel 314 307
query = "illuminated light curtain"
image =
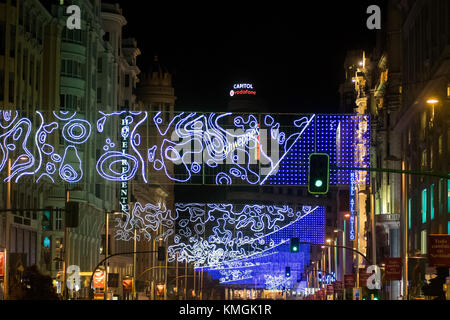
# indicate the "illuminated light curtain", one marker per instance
pixel 202 148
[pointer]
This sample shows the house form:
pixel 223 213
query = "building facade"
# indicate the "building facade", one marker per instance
pixel 403 84
pixel 29 80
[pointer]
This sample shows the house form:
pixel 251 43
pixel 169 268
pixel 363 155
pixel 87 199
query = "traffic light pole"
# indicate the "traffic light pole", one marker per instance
pixel 338 246
pixel 420 173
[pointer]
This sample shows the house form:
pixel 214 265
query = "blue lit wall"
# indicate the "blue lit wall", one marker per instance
pixel 330 134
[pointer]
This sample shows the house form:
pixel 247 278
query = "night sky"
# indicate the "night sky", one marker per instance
pixel 292 52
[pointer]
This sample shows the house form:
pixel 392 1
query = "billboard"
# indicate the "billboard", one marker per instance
pixel 439 250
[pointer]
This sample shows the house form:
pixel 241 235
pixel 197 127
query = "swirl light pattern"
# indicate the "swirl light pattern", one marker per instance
pixel 194 148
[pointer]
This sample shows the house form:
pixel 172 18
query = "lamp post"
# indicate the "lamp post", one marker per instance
pixel 8 207
pixel 66 240
pixel 344 241
pixel 107 247
pixel 329 256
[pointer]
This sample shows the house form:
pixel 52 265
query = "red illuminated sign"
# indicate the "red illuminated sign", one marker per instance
pixel 99 279
pixel 242 89
pixel 439 250
pixel 2 263
pixel 127 285
pixel 393 269
pixel 349 280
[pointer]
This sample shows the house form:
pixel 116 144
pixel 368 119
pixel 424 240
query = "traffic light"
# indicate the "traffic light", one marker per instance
pixel 72 212
pixel 47 218
pixel 287 272
pixel 161 253
pixel 295 244
pixel 318 177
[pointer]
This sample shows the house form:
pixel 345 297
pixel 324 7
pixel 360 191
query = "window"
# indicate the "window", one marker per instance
pixel 72 68
pixel 106 36
pixel 30 78
pixel 38 74
pixel 97 190
pixel 11 87
pixel 409 213
pixel 99 65
pixel 423 124
pixel 12 46
pixel 424 205
pixel 70 102
pixel 2 84
pixel 75 36
pixel 423 242
pixel 58 221
pixel 440 144
pixel 424 158
pixel 2 37
pixel 127 81
pixel 99 95
pixel 24 64
pixel 432 202
pixel 448 196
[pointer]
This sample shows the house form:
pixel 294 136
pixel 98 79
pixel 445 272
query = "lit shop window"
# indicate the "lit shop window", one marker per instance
pixel 448 196
pixel 432 202
pixel 424 205
pixel 409 213
pixel 423 242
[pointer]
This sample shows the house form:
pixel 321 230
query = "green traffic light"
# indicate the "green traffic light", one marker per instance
pixel 295 248
pixel 318 183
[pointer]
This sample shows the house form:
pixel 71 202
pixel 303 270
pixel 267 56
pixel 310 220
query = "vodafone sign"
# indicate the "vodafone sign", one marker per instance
pixel 242 89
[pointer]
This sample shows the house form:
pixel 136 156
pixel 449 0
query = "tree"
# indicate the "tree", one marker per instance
pixel 32 285
pixel 435 286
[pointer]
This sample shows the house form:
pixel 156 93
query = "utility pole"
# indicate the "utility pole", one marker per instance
pixel 134 265
pixel 107 252
pixel 6 260
pixel 66 249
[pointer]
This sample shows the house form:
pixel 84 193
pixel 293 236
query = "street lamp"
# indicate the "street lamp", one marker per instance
pixel 432 102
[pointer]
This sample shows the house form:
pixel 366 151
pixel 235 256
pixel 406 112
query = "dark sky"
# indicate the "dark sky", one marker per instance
pixel 291 51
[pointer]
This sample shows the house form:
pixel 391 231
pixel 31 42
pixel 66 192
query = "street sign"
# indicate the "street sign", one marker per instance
pixel 338 286
pixel 356 293
pixel 99 279
pixel 127 285
pixel 349 281
pixel 439 250
pixel 393 269
pixel 363 276
pixel 330 289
